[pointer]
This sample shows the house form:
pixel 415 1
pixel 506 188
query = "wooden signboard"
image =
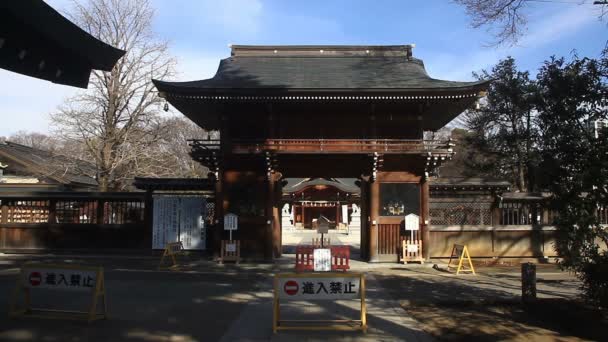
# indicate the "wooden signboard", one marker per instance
pixel 79 280
pixel 411 249
pixel 316 287
pixel 461 252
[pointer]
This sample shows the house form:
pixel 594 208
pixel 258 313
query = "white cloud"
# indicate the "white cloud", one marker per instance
pixel 559 25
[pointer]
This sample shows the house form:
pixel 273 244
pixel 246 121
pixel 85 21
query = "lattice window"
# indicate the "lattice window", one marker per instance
pixel 122 212
pixel 76 211
pixel 210 219
pixel 460 213
pixel 520 213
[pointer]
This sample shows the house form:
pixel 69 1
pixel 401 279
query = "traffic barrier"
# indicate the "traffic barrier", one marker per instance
pixel 411 251
pixel 304 258
pixel 172 250
pixel 230 251
pixel 340 258
pixel 461 252
pixel 83 280
pixel 318 286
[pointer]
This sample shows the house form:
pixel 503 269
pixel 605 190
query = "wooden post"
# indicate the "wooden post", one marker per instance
pixel 528 282
pixel 100 211
pixel 374 211
pixel 424 212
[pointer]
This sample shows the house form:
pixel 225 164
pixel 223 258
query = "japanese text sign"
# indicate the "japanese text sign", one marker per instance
pixel 68 279
pixel 322 259
pixel 231 247
pixel 231 222
pixel 412 222
pixel 319 288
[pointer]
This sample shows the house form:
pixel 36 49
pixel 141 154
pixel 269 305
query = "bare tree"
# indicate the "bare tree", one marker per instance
pixel 509 16
pixel 35 140
pixel 117 119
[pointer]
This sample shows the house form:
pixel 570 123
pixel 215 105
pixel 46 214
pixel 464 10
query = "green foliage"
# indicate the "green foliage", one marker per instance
pixel 504 128
pixel 571 97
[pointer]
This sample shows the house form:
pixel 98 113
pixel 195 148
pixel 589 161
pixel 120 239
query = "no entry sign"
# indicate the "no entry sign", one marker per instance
pixel 60 279
pixel 291 287
pixel 35 278
pixel 319 288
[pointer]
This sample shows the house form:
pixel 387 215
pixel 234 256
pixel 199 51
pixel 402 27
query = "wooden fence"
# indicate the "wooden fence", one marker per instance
pixel 74 221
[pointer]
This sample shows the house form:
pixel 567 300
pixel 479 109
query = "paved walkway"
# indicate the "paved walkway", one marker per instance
pixel 211 302
pixel 387 321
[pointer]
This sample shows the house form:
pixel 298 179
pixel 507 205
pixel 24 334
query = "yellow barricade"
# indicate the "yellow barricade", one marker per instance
pixel 172 250
pixel 461 252
pixel 318 286
pixel 86 280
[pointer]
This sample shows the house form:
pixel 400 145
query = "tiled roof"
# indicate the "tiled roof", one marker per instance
pixel 335 68
pixel 42 163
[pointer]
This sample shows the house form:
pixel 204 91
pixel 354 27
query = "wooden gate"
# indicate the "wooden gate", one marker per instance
pixel 389 242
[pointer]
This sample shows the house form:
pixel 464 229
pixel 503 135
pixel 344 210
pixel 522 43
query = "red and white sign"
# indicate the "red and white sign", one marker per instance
pixel 35 278
pixel 319 288
pixel 291 287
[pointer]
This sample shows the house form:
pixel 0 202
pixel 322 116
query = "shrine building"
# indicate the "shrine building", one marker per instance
pixel 321 112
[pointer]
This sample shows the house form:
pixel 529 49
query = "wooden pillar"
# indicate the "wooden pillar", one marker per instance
pixel 218 223
pixel 277 243
pixel 273 224
pixel 3 220
pixel 374 210
pixel 337 214
pixel 425 219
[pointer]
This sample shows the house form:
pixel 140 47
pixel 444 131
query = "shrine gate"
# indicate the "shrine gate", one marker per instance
pixel 321 111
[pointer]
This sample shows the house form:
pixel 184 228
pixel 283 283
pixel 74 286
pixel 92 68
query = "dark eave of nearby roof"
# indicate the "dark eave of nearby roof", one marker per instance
pixel 455 183
pixel 174 184
pixel 525 196
pixel 37 41
pixel 320 69
pixel 301 185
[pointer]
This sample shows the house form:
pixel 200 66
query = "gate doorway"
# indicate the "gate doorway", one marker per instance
pixel 305 200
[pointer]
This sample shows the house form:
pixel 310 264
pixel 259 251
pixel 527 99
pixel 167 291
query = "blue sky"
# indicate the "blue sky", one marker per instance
pixel 200 31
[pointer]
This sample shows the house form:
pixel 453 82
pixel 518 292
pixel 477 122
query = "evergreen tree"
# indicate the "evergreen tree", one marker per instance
pixel 504 128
